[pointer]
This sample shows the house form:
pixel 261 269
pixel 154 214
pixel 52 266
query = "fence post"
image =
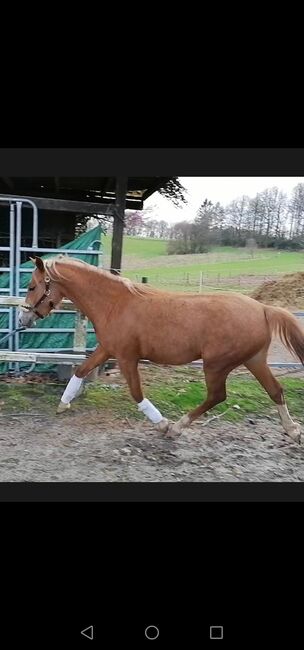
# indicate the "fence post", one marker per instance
pixel 80 341
pixel 201 282
pixel 80 336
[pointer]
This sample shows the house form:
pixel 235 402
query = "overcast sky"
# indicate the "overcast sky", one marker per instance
pixel 222 189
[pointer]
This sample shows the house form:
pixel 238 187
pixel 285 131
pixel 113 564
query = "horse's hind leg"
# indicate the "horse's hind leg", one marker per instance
pixel 216 393
pixel 130 371
pixel 258 367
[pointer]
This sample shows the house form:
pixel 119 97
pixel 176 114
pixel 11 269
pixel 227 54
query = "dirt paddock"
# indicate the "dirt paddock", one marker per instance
pixel 89 448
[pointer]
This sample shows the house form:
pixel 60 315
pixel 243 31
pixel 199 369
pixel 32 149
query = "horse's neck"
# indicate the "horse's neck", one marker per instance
pixel 93 293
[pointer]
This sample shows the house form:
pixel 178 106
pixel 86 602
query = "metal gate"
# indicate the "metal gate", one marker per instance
pixel 15 293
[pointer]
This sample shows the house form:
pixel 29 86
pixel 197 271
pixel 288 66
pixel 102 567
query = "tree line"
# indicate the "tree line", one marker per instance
pixel 270 219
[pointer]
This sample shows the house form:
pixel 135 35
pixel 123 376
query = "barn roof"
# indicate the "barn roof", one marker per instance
pixel 83 189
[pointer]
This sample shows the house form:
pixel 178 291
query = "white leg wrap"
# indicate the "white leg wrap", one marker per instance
pixel 71 389
pixel 150 411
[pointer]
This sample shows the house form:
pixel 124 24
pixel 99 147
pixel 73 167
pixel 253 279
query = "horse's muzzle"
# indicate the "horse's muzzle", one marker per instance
pixel 26 318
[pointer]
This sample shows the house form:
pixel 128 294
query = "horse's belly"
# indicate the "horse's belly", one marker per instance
pixel 172 356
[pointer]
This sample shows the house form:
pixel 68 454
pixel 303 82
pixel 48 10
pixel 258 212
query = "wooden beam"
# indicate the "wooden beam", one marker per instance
pixel 131 203
pixel 42 357
pixel 118 226
pixel 16 301
pixel 62 205
pixel 106 206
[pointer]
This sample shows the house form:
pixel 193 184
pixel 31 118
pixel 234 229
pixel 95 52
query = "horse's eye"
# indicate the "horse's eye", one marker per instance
pixel 31 288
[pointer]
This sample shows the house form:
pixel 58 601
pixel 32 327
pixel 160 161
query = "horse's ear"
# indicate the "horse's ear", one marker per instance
pixel 39 263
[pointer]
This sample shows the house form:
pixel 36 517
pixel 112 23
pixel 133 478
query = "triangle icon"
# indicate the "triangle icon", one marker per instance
pixel 88 632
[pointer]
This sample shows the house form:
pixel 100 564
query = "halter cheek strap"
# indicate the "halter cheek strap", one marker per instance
pixel 45 294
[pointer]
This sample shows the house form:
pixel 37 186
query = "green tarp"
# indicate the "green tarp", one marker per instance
pixel 53 340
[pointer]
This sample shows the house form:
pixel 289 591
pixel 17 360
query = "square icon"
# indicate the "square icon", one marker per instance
pixel 216 632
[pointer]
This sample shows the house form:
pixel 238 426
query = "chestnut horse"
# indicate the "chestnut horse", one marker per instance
pixel 134 321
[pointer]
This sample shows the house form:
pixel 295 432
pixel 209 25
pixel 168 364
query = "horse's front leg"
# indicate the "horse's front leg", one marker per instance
pixel 129 368
pixel 95 359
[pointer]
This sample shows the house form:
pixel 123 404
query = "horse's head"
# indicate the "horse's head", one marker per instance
pixel 42 296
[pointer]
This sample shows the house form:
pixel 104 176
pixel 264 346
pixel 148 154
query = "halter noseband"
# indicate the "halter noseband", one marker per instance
pixel 40 301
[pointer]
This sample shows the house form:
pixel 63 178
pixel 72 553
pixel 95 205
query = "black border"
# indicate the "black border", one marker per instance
pixel 153 492
pixel 166 161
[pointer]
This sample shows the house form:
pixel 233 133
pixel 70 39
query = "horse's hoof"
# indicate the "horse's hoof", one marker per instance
pixel 177 428
pixel 174 431
pixel 296 434
pixel 163 425
pixel 62 407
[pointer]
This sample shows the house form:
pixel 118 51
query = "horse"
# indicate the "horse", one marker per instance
pixel 134 321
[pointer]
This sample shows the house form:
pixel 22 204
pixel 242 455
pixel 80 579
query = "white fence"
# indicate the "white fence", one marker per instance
pixel 33 357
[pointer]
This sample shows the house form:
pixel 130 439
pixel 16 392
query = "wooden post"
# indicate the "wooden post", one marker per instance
pixel 80 336
pixel 65 371
pixel 201 282
pixel 118 225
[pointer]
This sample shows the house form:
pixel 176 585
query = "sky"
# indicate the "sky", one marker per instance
pixel 222 189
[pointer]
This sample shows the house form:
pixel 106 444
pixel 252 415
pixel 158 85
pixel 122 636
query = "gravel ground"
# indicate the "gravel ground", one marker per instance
pixel 85 447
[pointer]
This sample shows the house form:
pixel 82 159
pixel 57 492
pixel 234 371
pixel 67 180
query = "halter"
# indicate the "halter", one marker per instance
pixel 40 301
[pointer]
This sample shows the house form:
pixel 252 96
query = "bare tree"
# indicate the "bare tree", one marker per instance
pixel 236 213
pixel 281 215
pixel 296 211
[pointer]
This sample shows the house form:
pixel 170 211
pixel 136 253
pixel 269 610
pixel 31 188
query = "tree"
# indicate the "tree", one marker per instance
pixel 163 229
pixel 296 211
pixel 180 244
pixel 202 224
pixel 174 191
pixel 254 214
pixel 151 228
pixel 187 237
pixel 236 213
pixel 134 222
pixel 281 215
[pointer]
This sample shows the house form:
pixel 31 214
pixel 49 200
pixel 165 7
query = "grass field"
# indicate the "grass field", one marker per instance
pixel 223 267
pixel 141 247
pixel 174 397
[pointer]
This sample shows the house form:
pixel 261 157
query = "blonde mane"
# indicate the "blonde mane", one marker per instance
pixel 55 274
